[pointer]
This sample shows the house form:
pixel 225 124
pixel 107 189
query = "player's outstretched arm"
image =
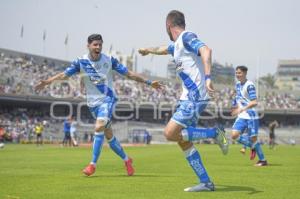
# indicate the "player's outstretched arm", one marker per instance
pixel 162 50
pixel 137 77
pixel 43 83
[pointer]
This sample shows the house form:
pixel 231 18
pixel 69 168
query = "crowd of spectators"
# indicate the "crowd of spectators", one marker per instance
pixel 20 74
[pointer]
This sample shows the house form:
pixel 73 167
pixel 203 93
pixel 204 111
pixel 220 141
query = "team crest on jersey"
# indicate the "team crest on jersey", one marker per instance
pixel 105 65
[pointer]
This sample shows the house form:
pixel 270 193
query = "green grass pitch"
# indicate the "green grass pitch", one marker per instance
pixel 30 172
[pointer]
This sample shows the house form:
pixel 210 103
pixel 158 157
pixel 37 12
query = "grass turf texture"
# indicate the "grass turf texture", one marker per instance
pixel 27 171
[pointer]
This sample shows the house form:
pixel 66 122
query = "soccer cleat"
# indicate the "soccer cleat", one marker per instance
pixel 221 140
pixel 243 151
pixel 261 163
pixel 129 167
pixel 209 186
pixel 252 154
pixel 89 170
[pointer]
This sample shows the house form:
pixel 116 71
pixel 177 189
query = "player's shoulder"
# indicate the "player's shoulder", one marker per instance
pixel 237 83
pixel 83 59
pixel 249 83
pixel 188 35
pixel 105 56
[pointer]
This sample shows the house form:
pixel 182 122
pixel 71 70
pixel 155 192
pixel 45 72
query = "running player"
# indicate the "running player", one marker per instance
pixel 193 66
pixel 97 69
pixel 247 117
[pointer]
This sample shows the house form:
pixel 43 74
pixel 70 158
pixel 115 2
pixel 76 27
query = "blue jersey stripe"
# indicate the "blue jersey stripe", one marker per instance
pixel 171 49
pixel 194 94
pixel 93 75
pixel 120 68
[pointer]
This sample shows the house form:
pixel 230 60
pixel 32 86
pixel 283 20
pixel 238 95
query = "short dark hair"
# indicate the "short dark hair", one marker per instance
pixel 94 37
pixel 176 18
pixel 242 68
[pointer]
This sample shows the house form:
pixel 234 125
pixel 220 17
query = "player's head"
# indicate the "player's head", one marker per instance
pixel 241 73
pixel 175 18
pixel 95 42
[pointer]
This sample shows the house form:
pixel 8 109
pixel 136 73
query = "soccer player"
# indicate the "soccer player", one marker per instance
pixel 39 128
pixel 247 117
pixel 272 127
pixel 73 132
pixel 193 66
pixel 67 130
pixel 101 97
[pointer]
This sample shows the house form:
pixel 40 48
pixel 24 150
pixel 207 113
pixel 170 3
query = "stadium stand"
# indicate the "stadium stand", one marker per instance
pixel 21 106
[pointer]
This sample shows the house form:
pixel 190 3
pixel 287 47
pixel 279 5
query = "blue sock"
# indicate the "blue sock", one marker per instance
pixel 191 133
pixel 117 148
pixel 245 140
pixel 97 146
pixel 194 159
pixel 258 150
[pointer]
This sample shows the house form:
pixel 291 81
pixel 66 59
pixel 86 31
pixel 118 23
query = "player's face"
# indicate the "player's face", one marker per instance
pixel 240 75
pixel 95 48
pixel 168 27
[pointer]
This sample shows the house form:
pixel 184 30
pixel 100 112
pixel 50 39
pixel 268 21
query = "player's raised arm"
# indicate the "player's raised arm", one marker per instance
pixel 137 77
pixel 123 70
pixel 71 70
pixel 41 85
pixel 162 50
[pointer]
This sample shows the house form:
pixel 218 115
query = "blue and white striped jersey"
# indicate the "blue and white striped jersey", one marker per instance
pixel 190 69
pixel 244 94
pixel 97 77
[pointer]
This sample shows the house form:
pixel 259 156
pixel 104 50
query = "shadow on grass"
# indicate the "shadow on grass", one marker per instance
pixel 134 176
pixel 274 165
pixel 230 188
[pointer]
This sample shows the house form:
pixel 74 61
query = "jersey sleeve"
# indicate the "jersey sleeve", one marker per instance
pixel 117 66
pixel 73 68
pixel 191 42
pixel 251 92
pixel 171 49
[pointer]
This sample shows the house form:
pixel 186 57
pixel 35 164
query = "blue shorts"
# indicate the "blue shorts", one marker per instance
pixel 241 125
pixel 187 113
pixel 103 111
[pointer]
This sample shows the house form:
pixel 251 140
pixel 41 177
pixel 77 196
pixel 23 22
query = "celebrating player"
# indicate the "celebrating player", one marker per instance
pixel 247 117
pixel 101 97
pixel 190 54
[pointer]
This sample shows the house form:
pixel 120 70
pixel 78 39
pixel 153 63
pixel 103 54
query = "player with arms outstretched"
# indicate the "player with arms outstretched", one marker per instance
pixel 97 69
pixel 193 66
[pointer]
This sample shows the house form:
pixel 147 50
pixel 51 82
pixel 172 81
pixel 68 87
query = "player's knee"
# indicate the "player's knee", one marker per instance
pixel 234 135
pixel 168 134
pixel 99 127
pixel 108 134
pixel 253 138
